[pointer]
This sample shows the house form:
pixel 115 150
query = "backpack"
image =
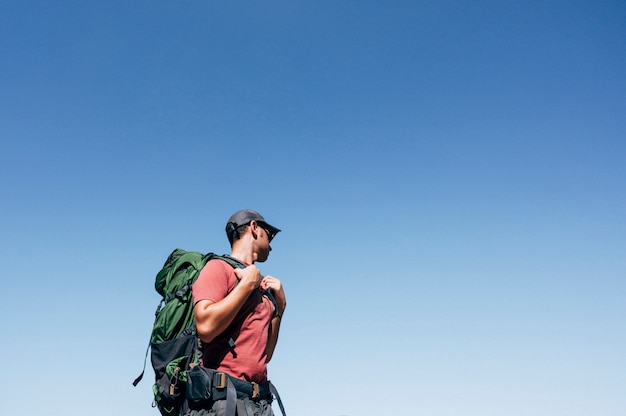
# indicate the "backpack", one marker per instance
pixel 174 344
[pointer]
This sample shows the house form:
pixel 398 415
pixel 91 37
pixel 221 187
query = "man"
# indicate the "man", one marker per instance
pixel 238 313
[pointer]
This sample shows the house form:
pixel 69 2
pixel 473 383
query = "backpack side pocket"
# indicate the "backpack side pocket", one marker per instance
pixel 199 387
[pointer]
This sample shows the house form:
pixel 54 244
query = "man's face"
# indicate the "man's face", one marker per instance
pixel 264 239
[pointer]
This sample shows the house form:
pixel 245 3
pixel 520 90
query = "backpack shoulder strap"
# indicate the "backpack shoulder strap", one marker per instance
pixel 236 264
pixel 233 262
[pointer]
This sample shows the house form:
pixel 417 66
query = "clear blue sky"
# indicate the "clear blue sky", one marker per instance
pixel 450 177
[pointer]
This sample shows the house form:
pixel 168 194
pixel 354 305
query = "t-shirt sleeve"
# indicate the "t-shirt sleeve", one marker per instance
pixel 214 282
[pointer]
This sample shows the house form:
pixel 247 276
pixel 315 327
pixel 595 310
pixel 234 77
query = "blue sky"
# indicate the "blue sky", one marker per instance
pixel 449 177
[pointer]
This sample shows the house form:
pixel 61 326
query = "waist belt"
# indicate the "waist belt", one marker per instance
pixel 205 385
pixel 254 391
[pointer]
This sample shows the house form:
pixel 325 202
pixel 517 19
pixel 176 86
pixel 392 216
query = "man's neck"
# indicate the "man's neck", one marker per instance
pixel 243 255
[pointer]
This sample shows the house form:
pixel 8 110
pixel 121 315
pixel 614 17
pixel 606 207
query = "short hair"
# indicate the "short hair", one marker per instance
pixel 237 232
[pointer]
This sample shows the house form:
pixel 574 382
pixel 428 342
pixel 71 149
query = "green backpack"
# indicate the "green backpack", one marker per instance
pixel 174 344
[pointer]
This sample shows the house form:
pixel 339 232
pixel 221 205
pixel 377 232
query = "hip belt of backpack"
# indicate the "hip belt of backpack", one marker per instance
pixel 254 391
pixel 229 388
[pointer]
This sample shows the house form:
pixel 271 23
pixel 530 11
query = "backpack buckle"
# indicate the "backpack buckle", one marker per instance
pixel 255 390
pixel 220 381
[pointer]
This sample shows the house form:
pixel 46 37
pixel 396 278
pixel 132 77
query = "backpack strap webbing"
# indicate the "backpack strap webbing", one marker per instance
pixel 280 402
pixel 231 398
pixel 145 358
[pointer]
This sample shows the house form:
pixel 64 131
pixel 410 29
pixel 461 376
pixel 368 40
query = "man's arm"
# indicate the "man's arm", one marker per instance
pixel 270 282
pixel 212 318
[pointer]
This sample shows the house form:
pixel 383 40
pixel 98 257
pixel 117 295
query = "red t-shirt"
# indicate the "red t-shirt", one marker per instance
pixel 249 330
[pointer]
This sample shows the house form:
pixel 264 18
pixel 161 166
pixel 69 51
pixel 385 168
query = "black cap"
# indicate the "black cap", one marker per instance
pixel 244 217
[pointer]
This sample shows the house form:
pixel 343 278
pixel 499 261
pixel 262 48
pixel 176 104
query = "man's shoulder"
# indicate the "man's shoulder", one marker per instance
pixel 215 280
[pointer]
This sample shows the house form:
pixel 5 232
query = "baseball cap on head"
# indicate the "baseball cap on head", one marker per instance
pixel 244 217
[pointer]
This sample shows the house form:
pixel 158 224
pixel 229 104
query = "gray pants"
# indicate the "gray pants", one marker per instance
pixel 245 407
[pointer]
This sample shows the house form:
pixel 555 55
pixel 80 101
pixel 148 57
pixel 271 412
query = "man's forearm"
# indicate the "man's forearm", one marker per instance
pixel 273 337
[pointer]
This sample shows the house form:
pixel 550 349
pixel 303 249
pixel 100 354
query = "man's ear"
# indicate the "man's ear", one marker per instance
pixel 254 229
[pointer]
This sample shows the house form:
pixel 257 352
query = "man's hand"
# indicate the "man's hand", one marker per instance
pixel 251 275
pixel 270 282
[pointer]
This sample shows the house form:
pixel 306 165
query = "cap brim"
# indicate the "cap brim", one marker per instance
pixel 271 228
